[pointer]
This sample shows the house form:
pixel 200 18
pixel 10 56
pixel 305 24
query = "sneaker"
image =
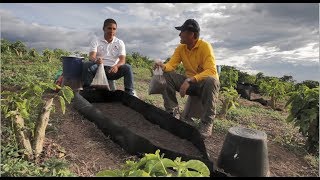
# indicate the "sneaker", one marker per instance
pixel 205 129
pixel 188 121
pixel 135 94
pixel 175 113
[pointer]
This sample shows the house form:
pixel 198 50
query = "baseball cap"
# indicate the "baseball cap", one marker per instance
pixel 190 24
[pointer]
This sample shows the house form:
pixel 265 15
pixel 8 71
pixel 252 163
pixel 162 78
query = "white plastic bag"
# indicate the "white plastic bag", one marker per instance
pixel 158 82
pixel 100 79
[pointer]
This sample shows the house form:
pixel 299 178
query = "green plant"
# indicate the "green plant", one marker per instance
pixel 30 114
pixel 304 112
pixel 228 77
pixel 230 98
pixel 275 89
pixel 154 165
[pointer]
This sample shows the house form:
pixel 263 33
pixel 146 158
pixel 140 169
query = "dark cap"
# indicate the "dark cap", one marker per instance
pixel 190 25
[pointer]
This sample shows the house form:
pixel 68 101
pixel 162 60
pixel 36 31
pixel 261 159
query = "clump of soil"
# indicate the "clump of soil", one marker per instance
pixel 134 121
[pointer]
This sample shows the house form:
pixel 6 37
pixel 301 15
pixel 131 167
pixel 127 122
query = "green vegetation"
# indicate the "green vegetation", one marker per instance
pixel 27 82
pixel 304 112
pixel 154 165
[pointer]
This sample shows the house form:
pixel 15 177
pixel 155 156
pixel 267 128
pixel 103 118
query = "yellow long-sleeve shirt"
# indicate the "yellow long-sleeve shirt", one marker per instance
pixel 199 62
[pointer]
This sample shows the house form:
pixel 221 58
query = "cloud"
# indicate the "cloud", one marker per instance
pixel 108 9
pixel 42 36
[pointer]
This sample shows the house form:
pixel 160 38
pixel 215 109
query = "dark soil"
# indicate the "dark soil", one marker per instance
pixel 135 122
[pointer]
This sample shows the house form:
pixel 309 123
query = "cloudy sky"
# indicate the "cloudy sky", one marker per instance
pixel 275 39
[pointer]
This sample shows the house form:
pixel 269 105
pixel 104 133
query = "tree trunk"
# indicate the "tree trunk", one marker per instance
pixel 22 139
pixel 224 109
pixel 40 128
pixel 17 52
pixel 273 102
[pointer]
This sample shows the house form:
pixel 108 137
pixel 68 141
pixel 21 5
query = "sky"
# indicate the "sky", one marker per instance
pixel 273 38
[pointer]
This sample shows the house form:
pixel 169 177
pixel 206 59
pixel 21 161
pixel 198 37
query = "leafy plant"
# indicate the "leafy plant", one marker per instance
pixel 304 112
pixel 29 113
pixel 273 88
pixel 230 100
pixel 154 165
pixel 228 77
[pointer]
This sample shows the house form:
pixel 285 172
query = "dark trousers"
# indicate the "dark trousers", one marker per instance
pixel 90 68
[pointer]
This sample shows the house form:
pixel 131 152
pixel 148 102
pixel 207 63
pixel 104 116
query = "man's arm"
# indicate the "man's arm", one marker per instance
pixel 209 64
pixel 122 60
pixel 92 56
pixel 174 61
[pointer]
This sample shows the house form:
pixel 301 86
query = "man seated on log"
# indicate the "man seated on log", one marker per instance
pixel 110 51
pixel 201 78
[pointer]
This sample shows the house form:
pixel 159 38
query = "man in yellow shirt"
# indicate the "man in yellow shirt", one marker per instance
pixel 201 78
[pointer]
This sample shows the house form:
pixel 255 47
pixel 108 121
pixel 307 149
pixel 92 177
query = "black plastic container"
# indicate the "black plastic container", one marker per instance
pixel 245 153
pixel 72 66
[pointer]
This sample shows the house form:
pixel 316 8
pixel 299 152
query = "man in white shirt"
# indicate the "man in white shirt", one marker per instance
pixel 110 51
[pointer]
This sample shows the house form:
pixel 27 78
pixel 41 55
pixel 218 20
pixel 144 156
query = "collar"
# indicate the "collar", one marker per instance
pixel 102 39
pixel 195 46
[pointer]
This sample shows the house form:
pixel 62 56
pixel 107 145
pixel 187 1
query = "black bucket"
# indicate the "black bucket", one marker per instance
pixel 72 66
pixel 245 153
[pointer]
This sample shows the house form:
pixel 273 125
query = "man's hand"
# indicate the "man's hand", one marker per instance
pixel 183 88
pixel 157 64
pixel 113 69
pixel 99 60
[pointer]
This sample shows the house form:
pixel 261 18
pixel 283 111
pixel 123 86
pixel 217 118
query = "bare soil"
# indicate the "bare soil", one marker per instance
pixel 134 121
pixel 89 151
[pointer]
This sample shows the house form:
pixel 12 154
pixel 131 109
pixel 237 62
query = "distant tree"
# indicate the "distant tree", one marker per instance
pixel 5 46
pixel 60 52
pixel 228 77
pixel 259 78
pixel 19 48
pixel 246 78
pixel 48 54
pixel 273 88
pixel 33 52
pixel 287 78
pixel 309 83
pixel 86 56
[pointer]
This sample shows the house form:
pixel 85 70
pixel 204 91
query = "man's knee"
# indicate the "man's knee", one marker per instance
pixel 168 75
pixel 126 67
pixel 212 82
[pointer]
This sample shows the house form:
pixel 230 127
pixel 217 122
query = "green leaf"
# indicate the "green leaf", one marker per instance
pixel 37 90
pixel 198 166
pixel 63 104
pixel 192 174
pixel 67 93
pixel 139 173
pixel 110 173
pixel 11 114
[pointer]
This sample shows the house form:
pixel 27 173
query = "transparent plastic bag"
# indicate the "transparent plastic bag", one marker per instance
pixel 158 82
pixel 100 80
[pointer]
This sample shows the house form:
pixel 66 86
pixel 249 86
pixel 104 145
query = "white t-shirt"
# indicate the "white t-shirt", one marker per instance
pixel 110 52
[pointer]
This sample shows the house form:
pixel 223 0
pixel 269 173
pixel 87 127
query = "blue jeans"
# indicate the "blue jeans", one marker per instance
pixel 90 69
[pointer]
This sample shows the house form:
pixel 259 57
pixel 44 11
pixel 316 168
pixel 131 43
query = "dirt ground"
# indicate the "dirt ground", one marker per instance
pixel 89 151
